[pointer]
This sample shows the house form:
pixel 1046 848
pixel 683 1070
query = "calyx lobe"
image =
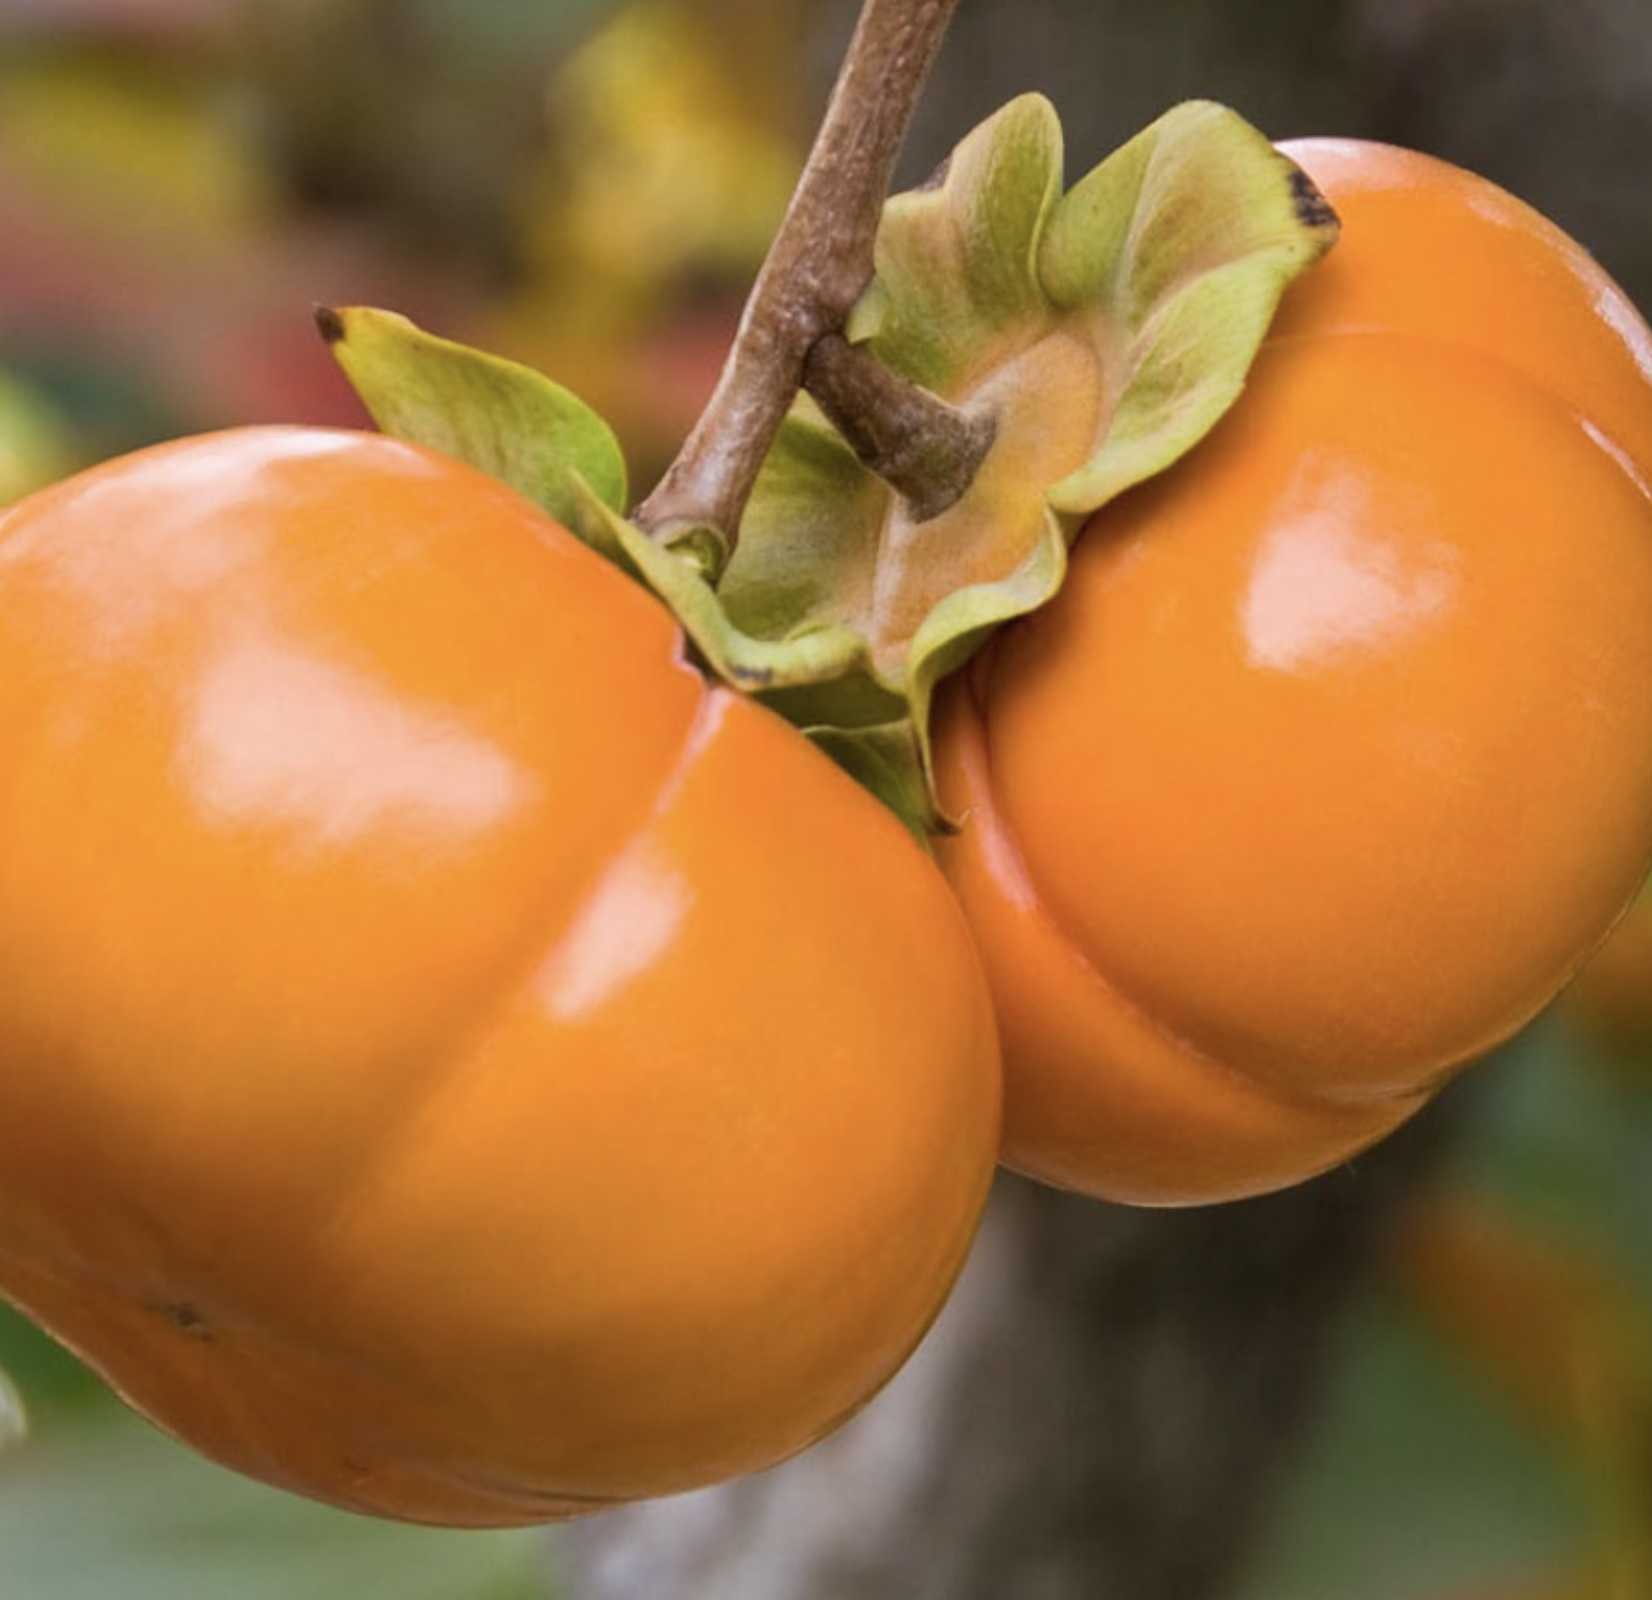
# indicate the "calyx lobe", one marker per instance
pixel 1092 336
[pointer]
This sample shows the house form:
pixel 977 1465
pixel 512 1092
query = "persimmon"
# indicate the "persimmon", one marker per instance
pixel 1332 760
pixel 458 1064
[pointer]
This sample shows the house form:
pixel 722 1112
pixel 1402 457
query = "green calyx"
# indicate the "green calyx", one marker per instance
pixel 507 419
pixel 1103 331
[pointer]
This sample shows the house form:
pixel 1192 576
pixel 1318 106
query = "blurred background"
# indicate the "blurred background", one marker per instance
pixel 1425 1377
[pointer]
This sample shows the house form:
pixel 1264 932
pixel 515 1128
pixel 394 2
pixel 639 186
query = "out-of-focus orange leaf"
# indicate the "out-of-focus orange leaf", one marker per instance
pixel 1552 1329
pixel 1561 1336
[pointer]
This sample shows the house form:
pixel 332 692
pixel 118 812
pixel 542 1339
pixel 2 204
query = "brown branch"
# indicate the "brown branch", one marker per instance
pixel 816 269
pixel 927 451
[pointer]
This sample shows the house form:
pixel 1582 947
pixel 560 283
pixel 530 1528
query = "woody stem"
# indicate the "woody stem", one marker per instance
pixel 817 267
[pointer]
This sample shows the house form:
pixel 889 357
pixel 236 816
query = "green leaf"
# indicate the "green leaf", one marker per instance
pixel 887 761
pixel 498 415
pixel 674 573
pixel 957 261
pixel 1174 252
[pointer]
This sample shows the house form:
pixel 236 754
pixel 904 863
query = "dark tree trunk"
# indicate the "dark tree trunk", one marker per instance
pixel 1553 100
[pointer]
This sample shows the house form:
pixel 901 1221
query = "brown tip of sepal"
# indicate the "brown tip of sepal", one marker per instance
pixel 329 324
pixel 941 826
pixel 937 179
pixel 1312 209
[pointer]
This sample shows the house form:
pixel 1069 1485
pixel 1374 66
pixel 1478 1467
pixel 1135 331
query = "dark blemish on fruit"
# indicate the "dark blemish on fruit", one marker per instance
pixel 1313 210
pixel 329 324
pixel 185 1318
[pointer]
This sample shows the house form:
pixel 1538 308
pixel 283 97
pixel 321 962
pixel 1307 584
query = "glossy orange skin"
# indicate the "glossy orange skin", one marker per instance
pixel 458 1065
pixel 1333 759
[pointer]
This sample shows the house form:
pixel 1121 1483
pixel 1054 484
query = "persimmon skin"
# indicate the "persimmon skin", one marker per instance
pixel 1432 250
pixel 458 1065
pixel 1333 758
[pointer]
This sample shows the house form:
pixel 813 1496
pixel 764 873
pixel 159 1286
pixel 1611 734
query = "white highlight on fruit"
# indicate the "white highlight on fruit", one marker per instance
pixel 1318 587
pixel 278 736
pixel 630 918
pixel 1621 456
pixel 137 555
pixel 1615 309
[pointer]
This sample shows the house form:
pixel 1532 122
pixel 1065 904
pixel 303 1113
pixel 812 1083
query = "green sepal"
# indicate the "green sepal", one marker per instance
pixel 676 574
pixel 498 415
pixel 957 290
pixel 807 545
pixel 1105 331
pixel 957 260
pixel 1176 250
pixel 965 620
pixel 886 760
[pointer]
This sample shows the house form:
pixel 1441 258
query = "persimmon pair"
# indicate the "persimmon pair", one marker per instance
pixel 465 1065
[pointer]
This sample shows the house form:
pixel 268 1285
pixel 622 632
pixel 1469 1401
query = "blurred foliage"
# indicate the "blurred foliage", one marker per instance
pixel 1490 1433
pixel 100 1504
pixel 583 185
pixel 670 163
pixel 675 138
pixel 1612 997
pixel 34 440
pixel 113 138
pixel 95 1502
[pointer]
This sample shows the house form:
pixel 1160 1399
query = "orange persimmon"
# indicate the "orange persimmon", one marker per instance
pixel 1333 758
pixel 457 1064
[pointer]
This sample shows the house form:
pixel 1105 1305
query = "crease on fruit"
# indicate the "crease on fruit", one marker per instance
pixel 1011 867
pixel 576 984
pixel 630 914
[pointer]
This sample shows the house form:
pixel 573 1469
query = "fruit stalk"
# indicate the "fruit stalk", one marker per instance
pixel 816 269
pixel 925 450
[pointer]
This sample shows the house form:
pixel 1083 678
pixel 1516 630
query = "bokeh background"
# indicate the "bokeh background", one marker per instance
pixel 1427 1376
